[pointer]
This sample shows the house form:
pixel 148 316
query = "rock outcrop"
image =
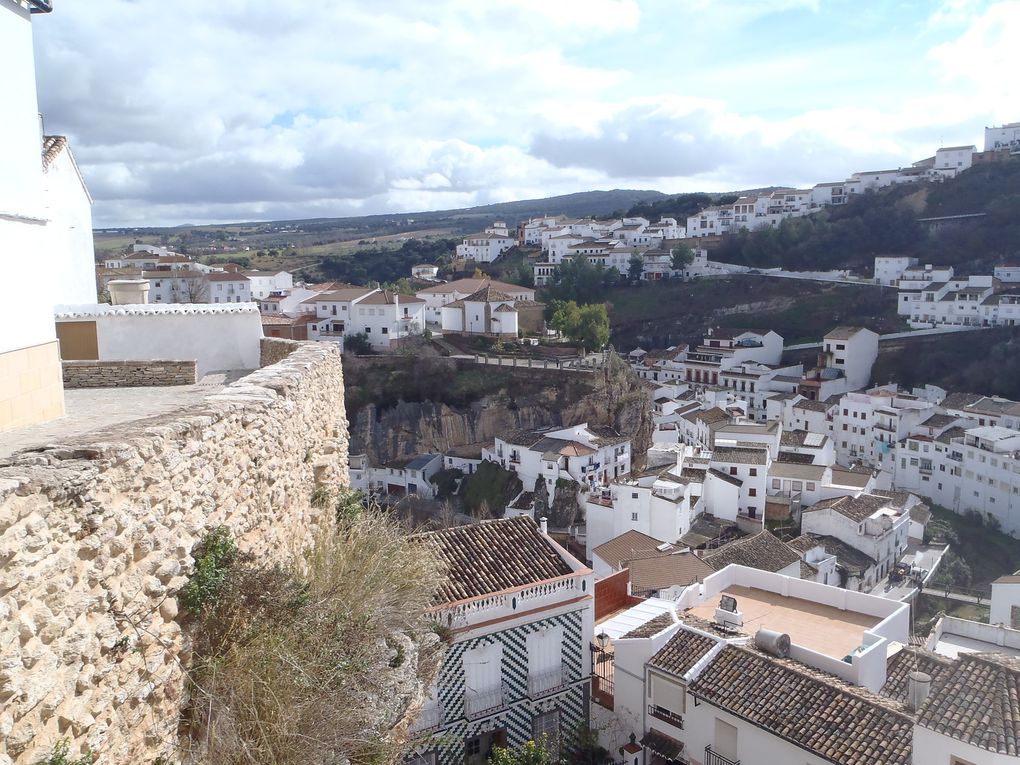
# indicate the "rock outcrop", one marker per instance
pixel 506 399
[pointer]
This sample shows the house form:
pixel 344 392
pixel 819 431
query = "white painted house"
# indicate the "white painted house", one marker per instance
pixel 449 292
pixel 45 212
pixel 587 456
pixel 485 312
pixel 383 317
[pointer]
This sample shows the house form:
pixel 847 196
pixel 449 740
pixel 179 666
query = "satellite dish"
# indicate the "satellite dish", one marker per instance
pixel 728 603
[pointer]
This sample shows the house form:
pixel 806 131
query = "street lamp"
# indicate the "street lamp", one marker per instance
pixel 602 639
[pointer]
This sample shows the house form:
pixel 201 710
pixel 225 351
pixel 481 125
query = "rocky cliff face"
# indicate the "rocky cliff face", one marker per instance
pixel 506 399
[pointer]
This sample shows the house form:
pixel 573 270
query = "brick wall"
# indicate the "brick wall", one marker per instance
pixel 128 374
pixel 611 595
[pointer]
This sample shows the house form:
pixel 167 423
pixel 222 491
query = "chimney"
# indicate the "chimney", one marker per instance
pixel 128 291
pixel 918 688
pixel 543 523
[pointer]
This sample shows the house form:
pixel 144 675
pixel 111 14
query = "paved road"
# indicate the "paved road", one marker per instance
pixel 894 336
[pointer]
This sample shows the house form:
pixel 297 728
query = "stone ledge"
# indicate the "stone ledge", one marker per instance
pixel 117 374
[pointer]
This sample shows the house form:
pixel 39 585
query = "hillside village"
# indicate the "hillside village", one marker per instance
pixel 731 565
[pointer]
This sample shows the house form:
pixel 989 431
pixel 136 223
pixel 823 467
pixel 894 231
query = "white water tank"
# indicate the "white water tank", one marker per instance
pixel 128 291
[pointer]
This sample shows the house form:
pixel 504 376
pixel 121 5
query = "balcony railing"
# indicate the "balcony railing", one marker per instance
pixel 544 683
pixel 485 702
pixel 430 718
pixel 714 758
pixel 666 715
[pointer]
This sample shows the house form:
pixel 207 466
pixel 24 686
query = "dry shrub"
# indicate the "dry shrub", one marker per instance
pixel 308 667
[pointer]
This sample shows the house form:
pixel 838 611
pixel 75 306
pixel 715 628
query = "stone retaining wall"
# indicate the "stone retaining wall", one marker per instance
pixel 275 349
pixel 96 538
pixel 127 374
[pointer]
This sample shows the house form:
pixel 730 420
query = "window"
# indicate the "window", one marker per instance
pixel 548 725
pixel 754 471
pixel 633 495
pixel 810 486
pixel 775 483
pixel 733 471
pixel 385 330
pixel 752 492
pixel 633 516
pixel 725 739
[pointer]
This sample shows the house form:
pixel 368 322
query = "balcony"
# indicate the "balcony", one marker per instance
pixel 714 758
pixel 485 702
pixel 666 715
pixel 429 720
pixel 543 683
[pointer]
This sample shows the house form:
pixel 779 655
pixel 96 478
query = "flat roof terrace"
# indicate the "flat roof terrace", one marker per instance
pixel 98 412
pixel 822 628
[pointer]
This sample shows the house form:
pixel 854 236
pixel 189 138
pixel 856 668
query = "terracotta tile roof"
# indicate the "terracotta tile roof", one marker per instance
pixel 707 528
pixel 388 298
pixel 663 745
pixel 813 406
pixel 763 551
pixel 843 333
pixel 628 546
pixel 978 702
pixel 743 456
pixel 855 562
pixel 469 286
pixel 226 276
pixel 488 294
pixel 653 626
pixel 650 574
pixel 903 662
pixel 817 712
pixel 493 556
pixel 855 508
pixel 682 652
pixel 51 148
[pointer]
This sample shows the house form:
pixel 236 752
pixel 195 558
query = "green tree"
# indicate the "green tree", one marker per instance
pixel 635 268
pixel 680 257
pixel 578 280
pixel 587 324
pixel 531 753
pixel 357 344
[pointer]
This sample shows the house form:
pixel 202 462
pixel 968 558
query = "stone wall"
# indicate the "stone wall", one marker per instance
pixel 123 374
pixel 274 349
pixel 96 537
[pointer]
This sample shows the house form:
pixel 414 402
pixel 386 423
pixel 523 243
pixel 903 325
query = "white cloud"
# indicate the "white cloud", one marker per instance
pixel 240 109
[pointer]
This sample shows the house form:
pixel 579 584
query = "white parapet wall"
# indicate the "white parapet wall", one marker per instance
pixel 216 337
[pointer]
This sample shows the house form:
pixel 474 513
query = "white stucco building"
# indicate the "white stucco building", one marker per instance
pixel 587 456
pixel 45 210
pixel 383 317
pixel 1003 137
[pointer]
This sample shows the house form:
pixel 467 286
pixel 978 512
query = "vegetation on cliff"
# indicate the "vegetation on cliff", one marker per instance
pixel 886 222
pixel 986 362
pixel 314 664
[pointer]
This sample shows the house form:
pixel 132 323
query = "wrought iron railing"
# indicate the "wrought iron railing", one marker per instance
pixel 714 758
pixel 666 715
pixel 478 704
pixel 430 718
pixel 544 683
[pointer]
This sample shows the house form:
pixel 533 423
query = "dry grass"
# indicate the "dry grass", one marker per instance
pixel 296 668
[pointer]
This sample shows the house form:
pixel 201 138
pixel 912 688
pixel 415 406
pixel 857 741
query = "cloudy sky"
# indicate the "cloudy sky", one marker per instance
pixel 197 111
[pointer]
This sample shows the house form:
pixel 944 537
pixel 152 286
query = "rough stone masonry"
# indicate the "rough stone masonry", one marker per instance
pixel 96 537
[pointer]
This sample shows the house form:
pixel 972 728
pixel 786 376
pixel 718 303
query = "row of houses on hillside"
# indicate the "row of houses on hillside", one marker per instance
pixel 933 296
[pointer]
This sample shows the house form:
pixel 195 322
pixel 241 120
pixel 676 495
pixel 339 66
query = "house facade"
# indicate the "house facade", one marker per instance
pixel 519 610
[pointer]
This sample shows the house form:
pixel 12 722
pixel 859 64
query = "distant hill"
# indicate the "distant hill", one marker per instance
pixel 890 221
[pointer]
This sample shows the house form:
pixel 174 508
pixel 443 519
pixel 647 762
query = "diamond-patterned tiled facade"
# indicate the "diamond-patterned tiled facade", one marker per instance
pixel 517 718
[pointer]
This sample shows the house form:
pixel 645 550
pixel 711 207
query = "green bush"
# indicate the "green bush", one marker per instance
pixel 61 755
pixel 214 556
